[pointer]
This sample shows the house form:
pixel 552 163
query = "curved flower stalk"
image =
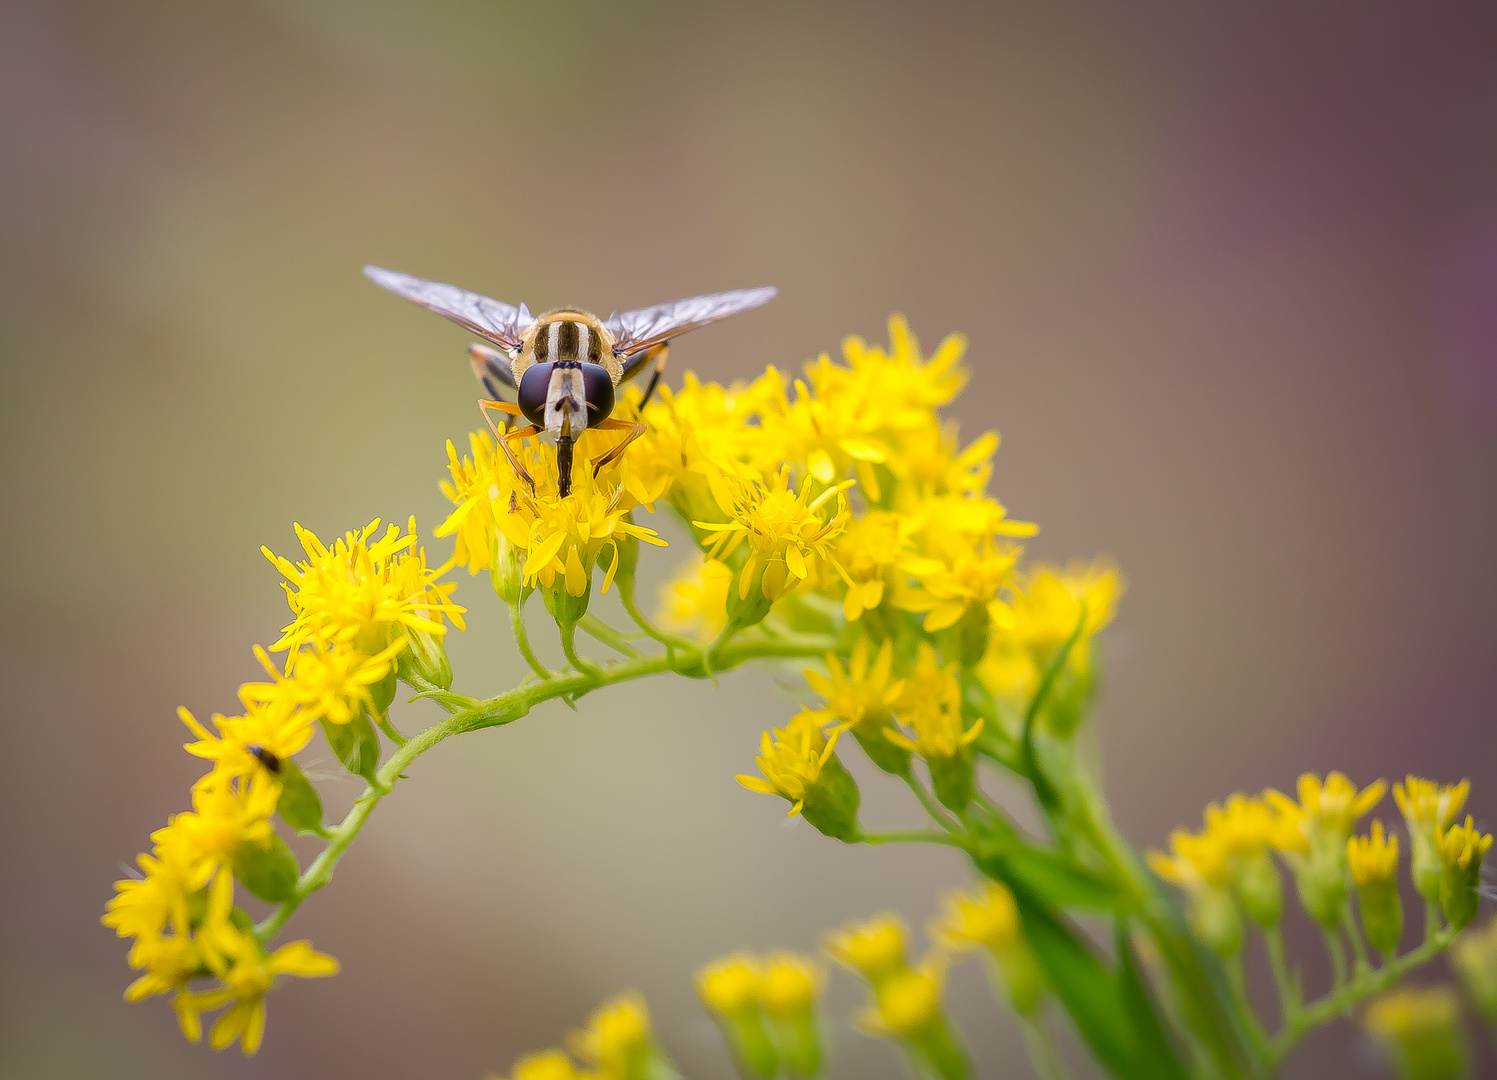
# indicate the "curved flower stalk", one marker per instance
pixel 839 524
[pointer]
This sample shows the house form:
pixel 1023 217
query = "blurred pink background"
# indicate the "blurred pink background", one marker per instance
pixel 1230 279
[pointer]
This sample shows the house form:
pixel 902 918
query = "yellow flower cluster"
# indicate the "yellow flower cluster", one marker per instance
pixel 1226 866
pixel 618 1043
pixel 360 607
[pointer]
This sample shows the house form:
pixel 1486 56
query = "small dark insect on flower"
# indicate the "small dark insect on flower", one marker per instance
pixel 563 367
pixel 271 762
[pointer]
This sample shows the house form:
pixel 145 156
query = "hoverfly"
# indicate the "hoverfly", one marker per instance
pixel 564 366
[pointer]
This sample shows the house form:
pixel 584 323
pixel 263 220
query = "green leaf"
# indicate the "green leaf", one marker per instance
pixel 355 744
pixel 1154 1054
pixel 1053 876
pixel 268 872
pixel 1090 992
pixel 299 805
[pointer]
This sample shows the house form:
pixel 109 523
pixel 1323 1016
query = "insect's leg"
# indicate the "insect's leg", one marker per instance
pixel 635 431
pixel 491 367
pixel 486 406
pixel 504 440
pixel 660 353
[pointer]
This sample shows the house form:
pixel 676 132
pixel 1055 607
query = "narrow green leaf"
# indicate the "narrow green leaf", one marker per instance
pixel 1090 992
pixel 299 805
pixel 1053 876
pixel 268 872
pixel 1154 1054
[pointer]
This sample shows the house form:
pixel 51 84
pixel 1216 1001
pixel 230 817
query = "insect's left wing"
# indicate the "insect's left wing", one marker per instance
pixel 635 331
pixel 494 320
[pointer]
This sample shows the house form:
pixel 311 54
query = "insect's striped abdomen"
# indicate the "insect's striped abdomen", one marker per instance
pixel 567 339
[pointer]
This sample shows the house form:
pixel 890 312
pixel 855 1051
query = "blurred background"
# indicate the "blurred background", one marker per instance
pixel 1230 280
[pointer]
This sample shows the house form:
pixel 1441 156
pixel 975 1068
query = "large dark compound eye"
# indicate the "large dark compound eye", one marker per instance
pixel 535 384
pixel 598 388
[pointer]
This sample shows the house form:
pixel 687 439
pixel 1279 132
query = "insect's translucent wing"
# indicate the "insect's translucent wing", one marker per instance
pixel 500 323
pixel 635 331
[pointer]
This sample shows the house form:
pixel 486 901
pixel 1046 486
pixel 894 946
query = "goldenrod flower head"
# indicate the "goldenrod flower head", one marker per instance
pixel 173 873
pixel 874 949
pixel 617 1039
pixel 928 464
pixel 327 680
pixel 1421 1029
pixel 953 574
pixel 564 536
pixel 786 532
pixel 1464 846
pixel 225 816
pixel 869 554
pixel 276 726
pixel 484 487
pixel 245 974
pixel 1427 805
pixel 986 919
pixel 546 1065
pixel 931 704
pixel 1330 808
pixel 363 590
pixel 1248 826
pixel 696 599
pixel 790 985
pixel 908 1002
pixel 1373 858
pixel 1195 861
pixel 894 388
pixel 730 985
pixel 791 758
pixel 860 692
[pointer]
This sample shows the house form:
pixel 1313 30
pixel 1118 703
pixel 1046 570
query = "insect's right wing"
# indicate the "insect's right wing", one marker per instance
pixel 494 320
pixel 636 331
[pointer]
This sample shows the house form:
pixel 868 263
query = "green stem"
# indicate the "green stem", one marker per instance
pixel 1365 985
pixel 931 806
pixel 601 631
pixel 1337 953
pixel 1238 980
pixel 522 639
pixel 1043 1052
pixel 1354 932
pixel 1044 790
pixel 569 650
pixel 670 641
pixel 467 714
pixel 1284 982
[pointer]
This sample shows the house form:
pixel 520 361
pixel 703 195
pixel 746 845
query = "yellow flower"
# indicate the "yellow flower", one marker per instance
pixel 276 727
pixel 362 590
pixel 1374 858
pixel 954 576
pixel 565 536
pixel 859 694
pixel 484 487
pixel 931 704
pixel 1194 861
pixel 987 919
pixel 547 1065
pixel 327 680
pixel 246 974
pixel 789 985
pixel 1330 808
pixel 696 599
pixel 617 1038
pixel 172 874
pixel 928 464
pixel 874 949
pixel 908 1002
pixel 869 554
pixel 1428 810
pixel 786 532
pixel 1421 1029
pixel 730 985
pixel 227 814
pixel 792 757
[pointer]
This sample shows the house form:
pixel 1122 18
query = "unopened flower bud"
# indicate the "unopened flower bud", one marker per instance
pixel 1462 848
pixel 1421 1031
pixel 789 991
pixel 1374 866
pixel 505 561
pixel 730 990
pixel 424 659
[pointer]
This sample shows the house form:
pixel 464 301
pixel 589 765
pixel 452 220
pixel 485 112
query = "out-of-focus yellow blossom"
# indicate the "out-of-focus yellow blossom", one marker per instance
pixel 363 590
pixel 930 703
pixel 790 985
pixel 618 1039
pixel 988 920
pixel 870 553
pixel 1314 840
pixel 327 680
pixel 228 815
pixel 276 727
pixel 1200 865
pixel 696 599
pixel 1462 849
pixel 874 949
pixel 1428 810
pixel 786 532
pixel 731 984
pixel 1421 1031
pixel 1373 860
pixel 955 575
pixel 929 464
pixel 546 1065
pixel 907 1008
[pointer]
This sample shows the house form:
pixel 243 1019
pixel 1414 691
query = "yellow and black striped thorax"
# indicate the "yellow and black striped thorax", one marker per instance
pixel 568 335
